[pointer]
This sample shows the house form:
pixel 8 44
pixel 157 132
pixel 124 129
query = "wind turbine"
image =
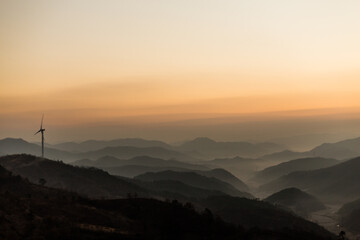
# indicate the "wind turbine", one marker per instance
pixel 42 130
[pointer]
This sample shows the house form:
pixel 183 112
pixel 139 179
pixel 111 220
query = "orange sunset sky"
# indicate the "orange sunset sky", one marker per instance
pixel 173 70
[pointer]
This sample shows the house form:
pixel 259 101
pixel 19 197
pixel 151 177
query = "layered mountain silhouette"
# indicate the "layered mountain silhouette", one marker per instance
pixel 242 167
pixel 221 175
pixel 302 164
pixel 96 183
pixel 137 165
pixel 18 146
pixel 126 152
pixel 131 171
pixel 92 145
pixel 253 213
pixel 163 172
pixel 29 211
pixel 338 183
pixel 109 161
pixel 172 189
pixel 195 180
pixel 209 149
pixel 90 182
pixel 287 155
pixel 141 165
pixel 341 150
pixel 346 149
pixel 296 200
pixel 227 177
pixel 197 149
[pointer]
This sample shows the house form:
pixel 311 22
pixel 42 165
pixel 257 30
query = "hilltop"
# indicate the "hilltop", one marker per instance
pixel 296 200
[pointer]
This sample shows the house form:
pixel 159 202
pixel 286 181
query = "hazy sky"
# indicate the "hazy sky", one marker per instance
pixel 94 64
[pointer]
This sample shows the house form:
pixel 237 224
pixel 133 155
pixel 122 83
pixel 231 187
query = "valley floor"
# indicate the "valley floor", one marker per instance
pixel 329 219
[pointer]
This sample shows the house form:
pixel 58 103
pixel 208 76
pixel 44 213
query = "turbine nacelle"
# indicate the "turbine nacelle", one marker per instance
pixel 41 130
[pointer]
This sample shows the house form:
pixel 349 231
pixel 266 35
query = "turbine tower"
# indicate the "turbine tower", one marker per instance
pixel 42 130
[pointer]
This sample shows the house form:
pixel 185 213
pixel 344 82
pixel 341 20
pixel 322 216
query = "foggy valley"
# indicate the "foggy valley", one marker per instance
pixel 242 181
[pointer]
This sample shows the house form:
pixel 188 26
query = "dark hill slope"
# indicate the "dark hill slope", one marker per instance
pixel 28 211
pixel 218 173
pixel 296 200
pixel 225 176
pixel 170 189
pixel 96 183
pixel 350 216
pixel 349 207
pixel 351 221
pixel 253 213
pixel 87 181
pixel 196 180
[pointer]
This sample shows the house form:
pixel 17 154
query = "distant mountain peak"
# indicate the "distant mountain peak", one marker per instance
pixel 106 157
pixel 203 140
pixel 14 140
pixel 144 157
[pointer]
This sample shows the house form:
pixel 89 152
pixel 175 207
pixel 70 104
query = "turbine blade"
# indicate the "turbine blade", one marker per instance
pixel 37 132
pixel 42 121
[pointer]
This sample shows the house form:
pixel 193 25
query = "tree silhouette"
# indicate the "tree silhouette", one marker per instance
pixel 42 181
pixel 342 235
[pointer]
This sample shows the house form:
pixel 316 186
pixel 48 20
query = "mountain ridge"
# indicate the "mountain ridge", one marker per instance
pixel 194 179
pixel 86 181
pixel 339 183
pixel 302 164
pixel 209 148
